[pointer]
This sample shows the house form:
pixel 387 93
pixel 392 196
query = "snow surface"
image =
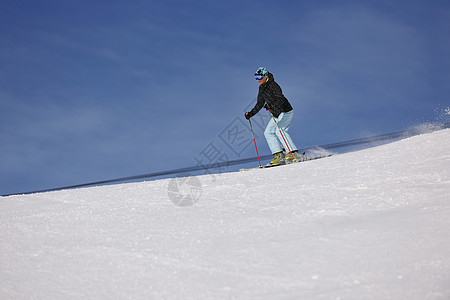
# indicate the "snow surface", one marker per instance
pixel 372 224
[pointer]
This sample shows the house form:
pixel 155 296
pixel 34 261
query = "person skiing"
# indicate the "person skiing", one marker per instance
pixel 270 96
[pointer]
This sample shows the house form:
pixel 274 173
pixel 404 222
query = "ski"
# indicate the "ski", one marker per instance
pixel 271 166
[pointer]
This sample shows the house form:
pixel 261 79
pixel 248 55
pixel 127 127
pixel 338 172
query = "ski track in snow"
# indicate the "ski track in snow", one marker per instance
pixel 371 224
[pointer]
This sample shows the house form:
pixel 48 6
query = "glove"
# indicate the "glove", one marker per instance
pixel 248 115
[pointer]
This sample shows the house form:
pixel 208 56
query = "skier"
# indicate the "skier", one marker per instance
pixel 270 96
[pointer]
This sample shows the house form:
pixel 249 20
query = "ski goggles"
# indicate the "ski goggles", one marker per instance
pixel 259 77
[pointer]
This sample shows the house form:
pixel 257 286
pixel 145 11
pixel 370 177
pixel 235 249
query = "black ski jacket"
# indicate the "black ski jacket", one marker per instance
pixel 270 93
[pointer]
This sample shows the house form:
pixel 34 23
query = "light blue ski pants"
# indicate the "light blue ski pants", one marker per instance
pixel 273 136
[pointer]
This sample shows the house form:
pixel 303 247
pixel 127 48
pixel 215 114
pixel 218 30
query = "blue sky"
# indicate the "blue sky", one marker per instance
pixel 93 90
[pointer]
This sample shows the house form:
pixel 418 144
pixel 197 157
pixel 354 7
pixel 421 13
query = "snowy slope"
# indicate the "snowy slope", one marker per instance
pixel 373 224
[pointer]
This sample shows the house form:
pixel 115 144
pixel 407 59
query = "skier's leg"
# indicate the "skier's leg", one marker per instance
pixel 271 137
pixel 284 121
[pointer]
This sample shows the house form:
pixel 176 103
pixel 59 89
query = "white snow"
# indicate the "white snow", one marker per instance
pixel 372 224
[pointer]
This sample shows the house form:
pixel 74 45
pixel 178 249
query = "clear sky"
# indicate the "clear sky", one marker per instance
pixel 93 90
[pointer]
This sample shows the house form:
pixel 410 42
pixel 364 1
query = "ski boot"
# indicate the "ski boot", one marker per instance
pixel 298 157
pixel 278 159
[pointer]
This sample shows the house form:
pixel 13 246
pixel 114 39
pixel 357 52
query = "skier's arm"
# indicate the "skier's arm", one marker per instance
pixel 259 104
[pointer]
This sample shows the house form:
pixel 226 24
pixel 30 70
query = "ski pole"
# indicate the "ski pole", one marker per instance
pixel 282 136
pixel 254 141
